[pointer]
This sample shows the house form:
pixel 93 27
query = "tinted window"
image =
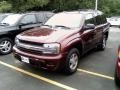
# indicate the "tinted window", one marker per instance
pixel 40 17
pixel 89 19
pixel 100 19
pixel 28 19
pixel 44 16
pixel 104 19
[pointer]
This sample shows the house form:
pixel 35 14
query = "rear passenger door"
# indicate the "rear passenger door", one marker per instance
pixel 100 26
pixel 28 22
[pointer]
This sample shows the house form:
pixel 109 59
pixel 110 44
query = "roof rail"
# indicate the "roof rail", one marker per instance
pixel 98 12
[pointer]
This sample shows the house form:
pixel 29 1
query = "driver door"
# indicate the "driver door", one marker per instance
pixel 88 32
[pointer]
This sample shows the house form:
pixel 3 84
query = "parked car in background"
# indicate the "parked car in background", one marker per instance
pixel 61 41
pixel 42 16
pixel 117 69
pixel 114 21
pixel 17 23
pixel 4 15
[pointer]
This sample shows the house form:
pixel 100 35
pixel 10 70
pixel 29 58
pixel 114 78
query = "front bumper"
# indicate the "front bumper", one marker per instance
pixel 49 62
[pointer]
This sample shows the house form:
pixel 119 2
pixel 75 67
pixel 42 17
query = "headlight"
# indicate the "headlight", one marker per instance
pixel 52 48
pixel 16 41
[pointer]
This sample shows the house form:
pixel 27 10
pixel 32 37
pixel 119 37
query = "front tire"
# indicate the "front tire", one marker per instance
pixel 72 59
pixel 117 79
pixel 6 45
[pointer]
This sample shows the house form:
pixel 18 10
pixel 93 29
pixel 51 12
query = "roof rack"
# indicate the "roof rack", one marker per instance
pixel 86 11
pixel 98 12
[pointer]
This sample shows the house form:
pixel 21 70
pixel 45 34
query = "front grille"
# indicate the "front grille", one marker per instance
pixel 30 51
pixel 31 43
pixel 30 47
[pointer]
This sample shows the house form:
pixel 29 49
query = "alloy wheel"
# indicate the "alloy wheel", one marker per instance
pixel 5 46
pixel 73 61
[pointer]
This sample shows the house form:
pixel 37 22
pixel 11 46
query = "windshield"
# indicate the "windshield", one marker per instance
pixel 11 19
pixel 71 20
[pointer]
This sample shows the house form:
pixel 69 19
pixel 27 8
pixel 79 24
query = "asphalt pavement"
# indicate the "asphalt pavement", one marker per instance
pixel 95 71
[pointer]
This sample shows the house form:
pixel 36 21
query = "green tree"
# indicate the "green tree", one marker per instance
pixel 5 6
pixel 23 5
pixel 109 7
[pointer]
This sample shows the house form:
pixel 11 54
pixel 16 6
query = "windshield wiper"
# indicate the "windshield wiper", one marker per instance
pixel 47 25
pixel 62 26
pixel 4 24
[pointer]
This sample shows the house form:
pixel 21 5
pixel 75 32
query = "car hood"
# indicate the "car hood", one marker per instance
pixel 46 35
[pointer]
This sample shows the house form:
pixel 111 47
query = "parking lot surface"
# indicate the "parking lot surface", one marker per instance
pixel 95 72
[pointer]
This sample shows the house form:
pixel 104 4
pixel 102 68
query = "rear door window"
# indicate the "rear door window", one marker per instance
pixel 28 19
pixel 100 19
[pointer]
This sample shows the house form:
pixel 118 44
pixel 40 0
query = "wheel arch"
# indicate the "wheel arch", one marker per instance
pixel 8 36
pixel 106 34
pixel 76 43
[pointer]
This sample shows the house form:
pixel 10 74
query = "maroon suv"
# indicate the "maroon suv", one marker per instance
pixel 61 41
pixel 117 69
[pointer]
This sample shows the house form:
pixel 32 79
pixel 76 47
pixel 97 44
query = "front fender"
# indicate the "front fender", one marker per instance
pixel 77 43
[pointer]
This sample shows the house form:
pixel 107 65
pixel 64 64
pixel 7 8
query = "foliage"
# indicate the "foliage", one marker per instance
pixel 110 7
pixel 24 5
pixel 61 5
pixel 5 6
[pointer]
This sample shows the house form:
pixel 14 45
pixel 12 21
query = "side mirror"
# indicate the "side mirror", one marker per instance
pixel 89 26
pixel 21 24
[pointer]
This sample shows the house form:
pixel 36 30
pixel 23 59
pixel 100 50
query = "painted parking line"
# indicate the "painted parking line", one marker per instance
pixel 95 74
pixel 38 77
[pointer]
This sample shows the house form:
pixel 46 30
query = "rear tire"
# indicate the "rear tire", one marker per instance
pixel 103 43
pixel 71 62
pixel 6 45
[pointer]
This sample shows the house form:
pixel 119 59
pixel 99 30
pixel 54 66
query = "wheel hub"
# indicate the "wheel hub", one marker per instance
pixel 73 61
